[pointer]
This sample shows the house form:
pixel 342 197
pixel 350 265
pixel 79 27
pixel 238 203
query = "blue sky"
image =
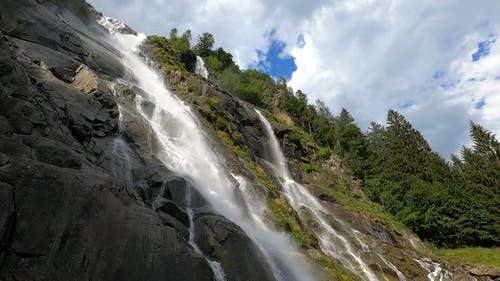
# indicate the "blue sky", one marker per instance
pixel 483 49
pixel 275 62
pixel 437 62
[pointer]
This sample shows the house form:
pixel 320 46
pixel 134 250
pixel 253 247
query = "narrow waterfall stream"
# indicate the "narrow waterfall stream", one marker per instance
pixel 184 148
pixel 435 272
pixel 200 67
pixel 331 241
pixel 121 163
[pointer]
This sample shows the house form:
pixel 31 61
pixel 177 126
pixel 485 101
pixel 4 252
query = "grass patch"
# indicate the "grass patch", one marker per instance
pixel 341 190
pixel 473 255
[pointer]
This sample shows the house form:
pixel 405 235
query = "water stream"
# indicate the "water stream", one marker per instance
pixel 331 241
pixel 121 166
pixel 184 147
pixel 200 67
pixel 435 272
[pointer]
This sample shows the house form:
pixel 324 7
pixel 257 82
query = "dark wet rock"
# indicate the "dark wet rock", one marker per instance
pixel 327 197
pixel 6 216
pixel 4 159
pixel 64 213
pixel 180 189
pixel 253 138
pixel 226 242
pixel 68 27
pixel 189 60
pixel 51 152
pixel 60 218
pixel 174 211
pixel 168 220
pixel 5 128
pixel 147 107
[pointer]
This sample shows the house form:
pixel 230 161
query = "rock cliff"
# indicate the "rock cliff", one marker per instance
pixel 69 130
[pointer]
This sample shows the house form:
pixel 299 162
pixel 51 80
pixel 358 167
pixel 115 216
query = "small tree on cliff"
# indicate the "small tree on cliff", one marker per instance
pixel 204 45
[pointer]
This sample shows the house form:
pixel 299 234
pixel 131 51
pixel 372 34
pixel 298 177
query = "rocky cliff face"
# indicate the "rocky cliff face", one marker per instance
pixel 66 214
pixel 82 194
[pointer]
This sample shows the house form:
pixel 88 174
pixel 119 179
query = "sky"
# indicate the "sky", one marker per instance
pixel 436 62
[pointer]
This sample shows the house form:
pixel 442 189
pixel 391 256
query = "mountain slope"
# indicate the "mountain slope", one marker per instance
pixel 85 194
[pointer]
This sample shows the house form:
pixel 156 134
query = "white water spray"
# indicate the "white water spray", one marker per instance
pixel 435 272
pixel 200 67
pixel 183 147
pixel 331 241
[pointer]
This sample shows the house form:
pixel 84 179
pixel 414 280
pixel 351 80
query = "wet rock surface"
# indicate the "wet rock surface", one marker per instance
pixel 223 241
pixel 63 214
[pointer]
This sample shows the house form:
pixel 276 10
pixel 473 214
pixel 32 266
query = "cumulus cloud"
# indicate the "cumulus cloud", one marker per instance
pixel 415 57
pixel 365 55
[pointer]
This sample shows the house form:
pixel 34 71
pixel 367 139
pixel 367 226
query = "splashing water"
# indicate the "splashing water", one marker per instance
pixel 111 24
pixel 200 67
pixel 183 147
pixel 436 273
pixel 331 241
pixel 400 275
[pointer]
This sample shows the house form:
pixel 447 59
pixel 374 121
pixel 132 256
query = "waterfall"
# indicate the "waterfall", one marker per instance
pixel 435 272
pixel 400 275
pixel 331 241
pixel 184 148
pixel 200 67
pixel 214 265
pixel 121 166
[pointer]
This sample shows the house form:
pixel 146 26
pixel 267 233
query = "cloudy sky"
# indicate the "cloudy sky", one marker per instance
pixel 437 62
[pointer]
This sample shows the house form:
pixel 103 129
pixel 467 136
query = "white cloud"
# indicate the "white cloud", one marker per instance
pixel 369 56
pixel 365 55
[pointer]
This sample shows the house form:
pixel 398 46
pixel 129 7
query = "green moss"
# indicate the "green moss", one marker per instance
pixel 282 213
pixel 335 272
pixel 310 167
pixel 221 124
pixel 191 87
pixel 169 57
pixel 226 139
pixel 211 101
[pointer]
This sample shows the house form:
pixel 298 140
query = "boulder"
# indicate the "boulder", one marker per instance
pixel 225 242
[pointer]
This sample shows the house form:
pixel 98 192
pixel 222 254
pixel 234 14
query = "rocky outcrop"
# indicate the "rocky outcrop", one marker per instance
pixel 227 243
pixel 63 214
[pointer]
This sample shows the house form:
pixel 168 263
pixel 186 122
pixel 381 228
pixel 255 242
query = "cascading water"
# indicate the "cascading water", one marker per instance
pixel 184 148
pixel 435 272
pixel 200 67
pixel 400 275
pixel 121 164
pixel 331 241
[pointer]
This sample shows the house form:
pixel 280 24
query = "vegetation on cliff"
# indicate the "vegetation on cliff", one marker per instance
pixel 450 204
